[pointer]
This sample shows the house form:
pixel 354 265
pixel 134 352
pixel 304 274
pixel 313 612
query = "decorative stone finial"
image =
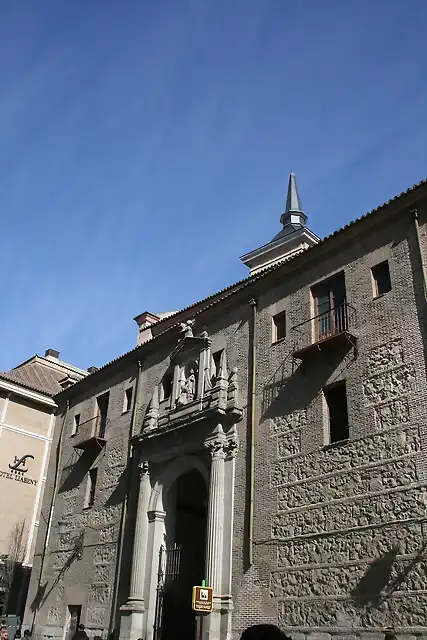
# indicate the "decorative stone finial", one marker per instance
pixel 232 442
pixel 152 415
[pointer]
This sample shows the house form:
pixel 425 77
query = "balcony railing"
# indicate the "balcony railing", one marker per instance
pixel 325 330
pixel 90 433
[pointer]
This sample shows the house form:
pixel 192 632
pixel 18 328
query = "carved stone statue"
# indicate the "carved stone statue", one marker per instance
pixel 187 390
pixel 187 329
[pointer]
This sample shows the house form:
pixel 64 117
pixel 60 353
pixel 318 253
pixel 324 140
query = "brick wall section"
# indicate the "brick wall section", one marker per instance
pixel 325 518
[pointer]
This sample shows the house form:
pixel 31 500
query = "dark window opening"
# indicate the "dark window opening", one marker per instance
pixel 76 424
pixel 279 326
pixel 336 399
pixel 381 278
pixel 93 475
pixel 127 403
pixel 167 383
pixel 330 307
pixel 102 402
pixel 216 363
pixel 74 613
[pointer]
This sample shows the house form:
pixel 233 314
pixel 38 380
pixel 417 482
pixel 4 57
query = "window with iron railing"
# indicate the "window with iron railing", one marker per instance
pixel 331 311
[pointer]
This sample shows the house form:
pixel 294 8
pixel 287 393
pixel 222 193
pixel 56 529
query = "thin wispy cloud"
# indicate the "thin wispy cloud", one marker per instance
pixel 145 146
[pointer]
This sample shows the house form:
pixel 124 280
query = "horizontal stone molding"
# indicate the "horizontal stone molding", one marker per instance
pixel 357 498
pixel 355 454
pixel 408 501
pixel 408 609
pixel 344 580
pixel 351 546
pixel 370 479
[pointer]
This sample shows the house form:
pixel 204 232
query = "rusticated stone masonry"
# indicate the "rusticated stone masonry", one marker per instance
pixel 406 609
pixel 289 429
pixel 341 581
pixel 374 449
pixel 350 546
pixel 342 509
pixel 388 383
pixel 384 357
pixel 402 504
pixel 358 481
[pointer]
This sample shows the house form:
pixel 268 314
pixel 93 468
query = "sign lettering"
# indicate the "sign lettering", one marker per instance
pixel 18 469
pixel 202 599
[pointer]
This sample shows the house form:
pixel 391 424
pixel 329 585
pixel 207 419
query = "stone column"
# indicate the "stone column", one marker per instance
pixel 217 445
pixel 132 612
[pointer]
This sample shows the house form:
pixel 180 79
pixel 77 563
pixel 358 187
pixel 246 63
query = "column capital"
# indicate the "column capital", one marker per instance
pixel 217 443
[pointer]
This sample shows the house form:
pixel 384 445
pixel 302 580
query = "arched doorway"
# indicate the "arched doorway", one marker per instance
pixel 185 524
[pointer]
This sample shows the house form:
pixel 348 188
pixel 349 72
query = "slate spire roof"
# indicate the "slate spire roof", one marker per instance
pixel 293 237
pixel 294 213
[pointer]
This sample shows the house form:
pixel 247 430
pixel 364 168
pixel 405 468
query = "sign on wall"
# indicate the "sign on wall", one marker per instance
pixel 18 469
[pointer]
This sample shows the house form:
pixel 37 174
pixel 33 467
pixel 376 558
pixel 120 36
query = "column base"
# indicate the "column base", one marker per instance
pixel 217 625
pixel 131 620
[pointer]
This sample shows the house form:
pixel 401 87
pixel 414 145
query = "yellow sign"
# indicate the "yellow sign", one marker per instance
pixel 202 599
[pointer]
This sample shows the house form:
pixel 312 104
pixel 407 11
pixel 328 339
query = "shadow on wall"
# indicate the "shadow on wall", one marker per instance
pixel 287 394
pixel 73 477
pixel 120 490
pixel 378 583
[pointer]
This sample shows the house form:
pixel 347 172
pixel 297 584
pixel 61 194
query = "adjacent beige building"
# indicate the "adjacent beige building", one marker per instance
pixel 27 412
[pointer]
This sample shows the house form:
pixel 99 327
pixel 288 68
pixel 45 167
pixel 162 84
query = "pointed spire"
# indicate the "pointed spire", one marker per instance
pixel 293 202
pixel 293 214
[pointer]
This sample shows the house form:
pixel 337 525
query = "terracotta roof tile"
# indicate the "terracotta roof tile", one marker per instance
pixel 35 376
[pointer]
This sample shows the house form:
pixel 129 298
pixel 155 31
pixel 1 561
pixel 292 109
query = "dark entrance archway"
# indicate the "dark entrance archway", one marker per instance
pixel 186 519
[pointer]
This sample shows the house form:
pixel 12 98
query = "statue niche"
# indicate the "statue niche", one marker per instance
pixel 187 384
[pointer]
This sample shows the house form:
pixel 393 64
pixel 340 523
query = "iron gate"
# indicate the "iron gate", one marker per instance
pixel 168 573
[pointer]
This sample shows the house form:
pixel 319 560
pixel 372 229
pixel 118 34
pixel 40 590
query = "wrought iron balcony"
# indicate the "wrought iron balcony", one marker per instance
pixel 90 434
pixel 325 331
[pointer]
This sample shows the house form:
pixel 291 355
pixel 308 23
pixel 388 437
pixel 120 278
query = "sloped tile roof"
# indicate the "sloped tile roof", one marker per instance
pixel 35 376
pixel 230 290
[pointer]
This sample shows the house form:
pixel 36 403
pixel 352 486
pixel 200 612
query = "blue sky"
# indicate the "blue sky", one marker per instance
pixel 146 145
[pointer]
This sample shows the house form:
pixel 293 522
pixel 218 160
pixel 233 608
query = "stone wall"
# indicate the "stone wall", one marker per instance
pixel 351 556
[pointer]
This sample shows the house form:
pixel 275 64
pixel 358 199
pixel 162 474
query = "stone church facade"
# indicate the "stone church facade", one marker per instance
pixel 270 439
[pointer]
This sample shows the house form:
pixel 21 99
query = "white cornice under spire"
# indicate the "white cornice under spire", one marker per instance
pixel 293 238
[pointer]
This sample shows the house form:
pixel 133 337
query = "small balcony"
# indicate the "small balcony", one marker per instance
pixel 91 434
pixel 326 331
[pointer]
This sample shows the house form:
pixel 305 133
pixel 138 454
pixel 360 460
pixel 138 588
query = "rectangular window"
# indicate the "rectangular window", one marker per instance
pixel 127 400
pixel 102 407
pixel 279 326
pixel 167 386
pixel 91 487
pixel 336 400
pixel 330 307
pixel 76 424
pixel 216 363
pixel 381 279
